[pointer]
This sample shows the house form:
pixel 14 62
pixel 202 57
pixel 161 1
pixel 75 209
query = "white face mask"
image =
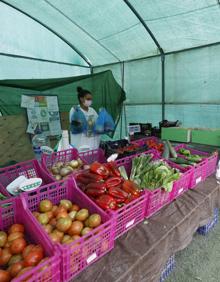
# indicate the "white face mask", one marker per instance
pixel 87 103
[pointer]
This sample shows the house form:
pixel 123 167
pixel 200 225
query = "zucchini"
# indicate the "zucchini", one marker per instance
pixel 171 149
pixel 181 161
pixel 166 151
pixel 184 152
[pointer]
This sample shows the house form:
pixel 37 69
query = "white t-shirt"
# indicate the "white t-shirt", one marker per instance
pixel 80 140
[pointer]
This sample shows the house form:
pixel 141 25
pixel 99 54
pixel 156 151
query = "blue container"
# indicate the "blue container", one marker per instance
pixel 205 229
pixel 168 268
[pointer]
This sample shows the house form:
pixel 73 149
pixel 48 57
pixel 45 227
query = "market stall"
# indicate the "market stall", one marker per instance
pixel 91 94
pixel 141 254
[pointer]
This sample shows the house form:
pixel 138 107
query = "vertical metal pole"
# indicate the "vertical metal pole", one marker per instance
pixel 163 84
pixel 123 109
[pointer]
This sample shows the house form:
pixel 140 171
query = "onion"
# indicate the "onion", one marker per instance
pixel 74 164
pixel 55 170
pixel 82 215
pixel 86 230
pixel 72 214
pixel 59 164
pixel 43 218
pixel 66 238
pixel 65 171
pixel 94 220
pixel 75 228
pixel 63 224
pixel 66 204
pixel 58 177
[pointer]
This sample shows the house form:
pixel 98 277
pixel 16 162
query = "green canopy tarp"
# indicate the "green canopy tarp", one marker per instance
pixel 106 92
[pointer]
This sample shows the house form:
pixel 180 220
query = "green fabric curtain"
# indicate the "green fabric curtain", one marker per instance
pixel 106 92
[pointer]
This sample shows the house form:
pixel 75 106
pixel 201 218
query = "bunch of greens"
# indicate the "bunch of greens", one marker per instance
pixel 151 175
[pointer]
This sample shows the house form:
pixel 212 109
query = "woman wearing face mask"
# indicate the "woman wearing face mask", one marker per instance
pixel 84 139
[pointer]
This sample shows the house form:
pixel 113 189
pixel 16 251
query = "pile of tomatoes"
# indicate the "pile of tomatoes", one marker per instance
pixel 66 222
pixel 17 256
pixel 155 145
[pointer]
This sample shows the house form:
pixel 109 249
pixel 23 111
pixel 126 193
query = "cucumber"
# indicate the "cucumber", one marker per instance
pixel 171 149
pixel 166 151
pixel 181 161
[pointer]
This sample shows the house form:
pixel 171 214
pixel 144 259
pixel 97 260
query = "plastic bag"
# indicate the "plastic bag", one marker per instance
pixel 104 122
pixel 78 121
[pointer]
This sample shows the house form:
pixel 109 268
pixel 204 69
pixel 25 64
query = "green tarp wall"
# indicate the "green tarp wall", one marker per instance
pixel 106 92
pixel 56 38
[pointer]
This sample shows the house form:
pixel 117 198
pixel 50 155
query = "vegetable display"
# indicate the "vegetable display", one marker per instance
pixel 107 187
pixel 16 255
pixel 61 170
pixel 186 159
pixel 152 174
pixel 152 144
pixel 66 222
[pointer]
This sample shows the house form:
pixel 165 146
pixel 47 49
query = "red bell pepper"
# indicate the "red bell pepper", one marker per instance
pixel 82 179
pixel 106 202
pixel 120 201
pixel 116 192
pixel 131 198
pixel 97 185
pixel 113 169
pixel 131 188
pixel 113 182
pixel 99 169
pixel 92 176
pixel 94 192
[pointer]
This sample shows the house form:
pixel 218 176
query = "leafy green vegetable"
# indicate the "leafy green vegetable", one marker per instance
pixel 153 174
pixel 123 172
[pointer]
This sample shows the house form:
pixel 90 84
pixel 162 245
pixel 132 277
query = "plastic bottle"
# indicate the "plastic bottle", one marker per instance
pixel 39 139
pixel 217 174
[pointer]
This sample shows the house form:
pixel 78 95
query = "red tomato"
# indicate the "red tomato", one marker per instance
pixel 4 276
pixel 17 246
pixel 5 257
pixel 15 268
pixel 14 236
pixel 16 228
pixel 33 258
pixel 27 250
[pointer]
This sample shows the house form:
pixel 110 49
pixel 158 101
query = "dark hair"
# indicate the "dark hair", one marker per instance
pixel 82 92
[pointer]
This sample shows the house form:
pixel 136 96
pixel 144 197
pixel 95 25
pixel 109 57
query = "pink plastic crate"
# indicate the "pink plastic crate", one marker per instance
pixel 212 164
pixel 78 255
pixel 12 211
pixel 134 212
pixel 158 198
pixel 129 215
pixel 62 156
pixel 87 157
pixel 28 168
pixel 203 169
pixel 97 155
pixel 183 183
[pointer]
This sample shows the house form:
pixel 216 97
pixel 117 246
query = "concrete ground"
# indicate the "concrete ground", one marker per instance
pixel 200 261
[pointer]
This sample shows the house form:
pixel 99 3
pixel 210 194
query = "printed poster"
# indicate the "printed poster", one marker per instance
pixel 43 113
